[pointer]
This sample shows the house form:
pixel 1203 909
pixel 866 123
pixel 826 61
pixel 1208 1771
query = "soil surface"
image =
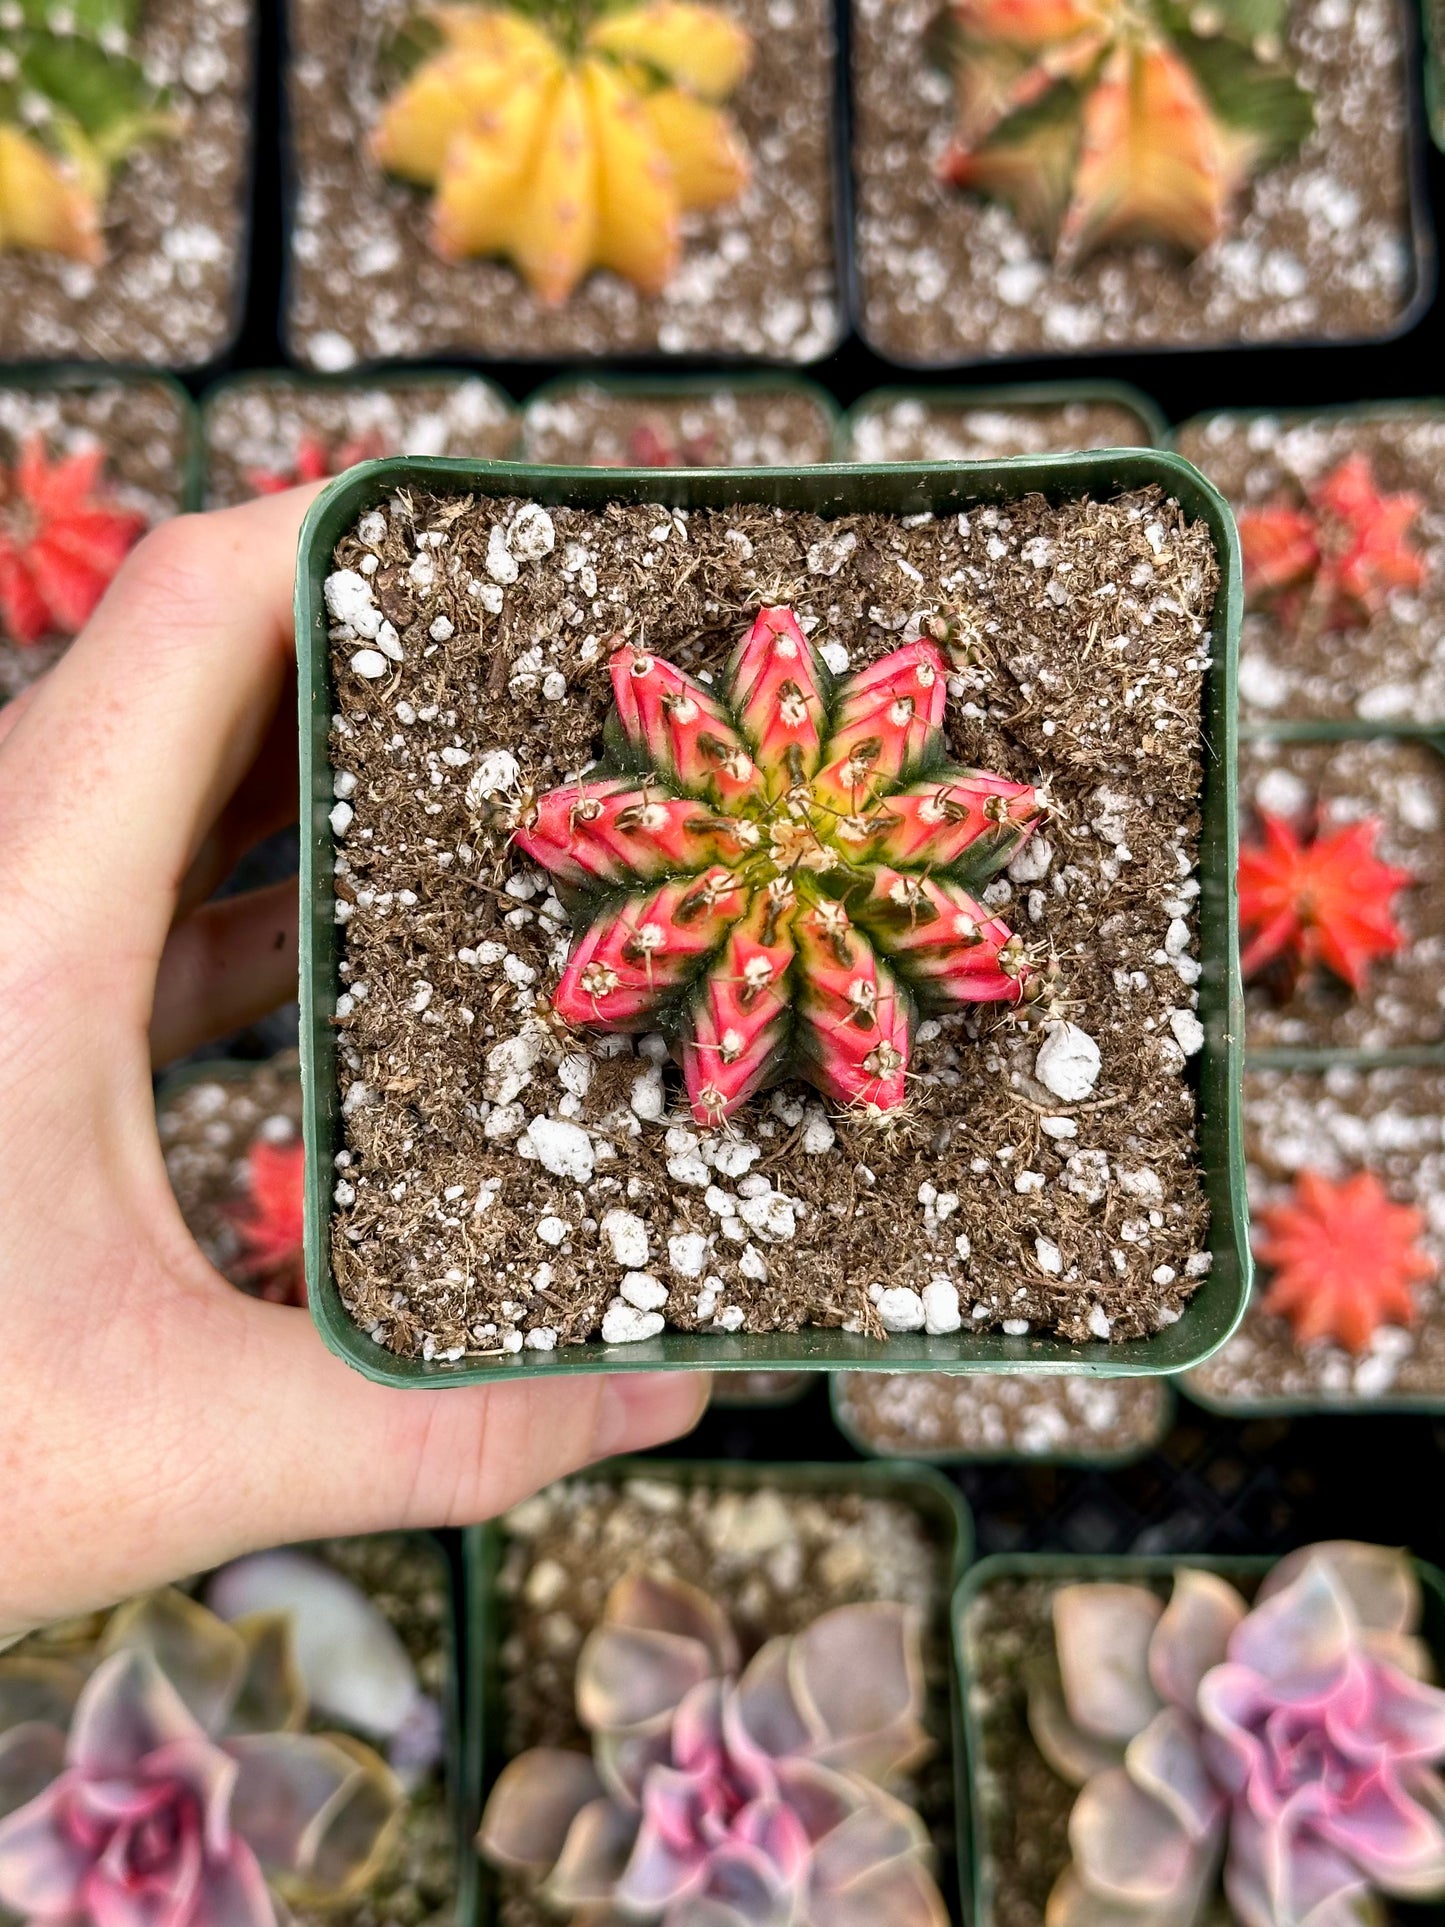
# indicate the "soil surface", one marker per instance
pixel 169 294
pixel 1392 669
pixel 723 428
pixel 453 1233
pixel 912 429
pixel 773 1560
pixel 259 424
pixel 145 429
pixel 989 1415
pixel 206 1130
pixel 1391 1122
pixel 1320 250
pixel 1400 785
pixel 757 277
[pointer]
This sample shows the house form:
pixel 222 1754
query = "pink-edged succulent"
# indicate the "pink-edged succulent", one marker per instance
pixel 716 1796
pixel 164 1781
pixel 781 872
pixel 1295 1740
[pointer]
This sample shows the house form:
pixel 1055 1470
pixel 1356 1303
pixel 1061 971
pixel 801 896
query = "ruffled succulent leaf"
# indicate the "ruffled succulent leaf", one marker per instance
pixel 350 1662
pixel 1166 1762
pixel 675 727
pixel 903 1893
pixel 779 691
pixel 951 950
pixel 1300 1639
pixel 697 47
pixel 856 1676
pixel 1076 1756
pixel 594 1857
pixel 887 724
pixel 1192 1635
pixel 1379 1581
pixel 629 1678
pixel 532 1806
pixel 854 1024
pixel 1102 1632
pixel 670 1858
pixel 1313 1883
pixel 1127 1847
pixel 765 1709
pixel 318 1810
pixel 42 1868
pixel 195 1653
pixel 128 1710
pixel 648 1602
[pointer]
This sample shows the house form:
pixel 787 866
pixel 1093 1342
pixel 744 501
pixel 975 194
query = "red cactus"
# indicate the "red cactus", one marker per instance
pixel 1326 901
pixel 61 542
pixel 1336 559
pixel 653 445
pixel 1345 1259
pixel 799 873
pixel 316 462
pixel 270 1222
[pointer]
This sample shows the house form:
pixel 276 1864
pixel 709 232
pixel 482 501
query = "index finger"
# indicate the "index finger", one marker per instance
pixel 135 740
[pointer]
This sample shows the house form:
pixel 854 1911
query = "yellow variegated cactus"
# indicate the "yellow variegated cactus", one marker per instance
pixel 572 146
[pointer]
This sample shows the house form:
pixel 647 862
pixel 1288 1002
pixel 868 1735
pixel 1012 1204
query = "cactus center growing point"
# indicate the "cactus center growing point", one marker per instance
pixel 781 878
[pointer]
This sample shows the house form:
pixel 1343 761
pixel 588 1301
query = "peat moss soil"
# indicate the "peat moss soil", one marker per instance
pixel 758 278
pixel 773 1560
pixel 1083 1218
pixel 145 430
pixel 1321 249
pixel 589 425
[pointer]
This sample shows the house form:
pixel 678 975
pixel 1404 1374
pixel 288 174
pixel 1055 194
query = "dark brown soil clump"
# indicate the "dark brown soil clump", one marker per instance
pixel 455 1234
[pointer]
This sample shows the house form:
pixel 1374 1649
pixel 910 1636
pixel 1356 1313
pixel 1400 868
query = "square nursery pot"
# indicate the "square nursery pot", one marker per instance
pixel 145 425
pixel 1389 667
pixel 1018 1807
pixel 908 1523
pixel 1024 1418
pixel 264 432
pixel 230 1131
pixel 1338 1113
pixel 1330 243
pixel 1434 18
pixel 680 421
pixel 987 424
pixel 428 1877
pixel 151 269
pixel 757 276
pixel 1192 1304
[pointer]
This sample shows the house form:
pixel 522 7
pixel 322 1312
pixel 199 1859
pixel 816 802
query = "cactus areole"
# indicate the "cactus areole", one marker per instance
pixel 781 873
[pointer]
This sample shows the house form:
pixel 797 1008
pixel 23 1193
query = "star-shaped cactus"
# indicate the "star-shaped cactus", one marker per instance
pixel 781 877
pixel 1345 1258
pixel 316 461
pixel 270 1223
pixel 1326 901
pixel 1333 562
pixel 62 539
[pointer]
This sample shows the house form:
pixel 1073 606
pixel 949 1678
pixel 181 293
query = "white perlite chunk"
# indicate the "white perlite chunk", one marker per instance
pixel 533 535
pixel 627 1235
pixel 624 1324
pixel 553 1231
pixel 563 1149
pixel 640 1288
pixel 687 1253
pixel 496 770
pixel 1049 1257
pixel 501 564
pixel 1188 1031
pixel 369 664
pixel 940 1308
pixel 770 1215
pixel 1033 860
pixel 541 1338
pixel 349 600
pixel 819 1136
pixel 901 1310
pixel 1068 1062
pixel 341 815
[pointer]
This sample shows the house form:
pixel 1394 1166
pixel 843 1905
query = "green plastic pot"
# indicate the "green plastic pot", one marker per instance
pixel 1065 1569
pixel 662 389
pixel 963 1455
pixel 1154 429
pixel 831 489
pixel 484 1613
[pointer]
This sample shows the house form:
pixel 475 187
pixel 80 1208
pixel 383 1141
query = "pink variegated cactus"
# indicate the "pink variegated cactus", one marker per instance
pixel 166 1784
pixel 714 1798
pixel 1295 1740
pixel 780 879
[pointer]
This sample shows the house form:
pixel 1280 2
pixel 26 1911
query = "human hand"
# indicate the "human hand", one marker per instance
pixel 153 1420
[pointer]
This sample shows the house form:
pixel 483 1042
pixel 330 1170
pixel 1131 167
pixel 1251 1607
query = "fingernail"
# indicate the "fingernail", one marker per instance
pixel 640 1409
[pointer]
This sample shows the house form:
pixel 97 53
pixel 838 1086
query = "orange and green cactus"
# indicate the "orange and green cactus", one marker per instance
pixel 782 877
pixel 1345 1259
pixel 1334 561
pixel 572 140
pixel 74 102
pixel 1105 121
pixel 1325 901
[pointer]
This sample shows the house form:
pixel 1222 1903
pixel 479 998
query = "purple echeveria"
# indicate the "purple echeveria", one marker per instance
pixel 719 1798
pixel 1295 1740
pixel 169 1785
